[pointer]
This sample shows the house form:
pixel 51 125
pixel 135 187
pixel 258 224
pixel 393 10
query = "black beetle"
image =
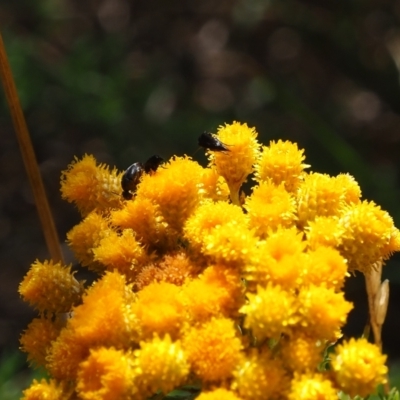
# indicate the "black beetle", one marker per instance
pixel 153 163
pixel 131 177
pixel 210 142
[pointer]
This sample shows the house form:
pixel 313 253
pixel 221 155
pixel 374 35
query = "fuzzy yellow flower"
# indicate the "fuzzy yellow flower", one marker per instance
pixel 368 231
pixel 285 242
pixel 230 244
pixel 107 374
pixel 102 316
pixel 322 311
pixel 359 367
pixel 218 394
pixel 102 320
pixel 270 312
pixel 160 365
pixel 260 377
pixel 65 354
pixel 209 216
pixel 236 164
pixel 311 387
pixel 91 186
pixel 281 162
pixel 85 236
pixel 51 287
pixel 174 268
pixel 279 260
pixel 158 309
pixel 213 349
pixel 324 231
pixel 325 266
pixel 145 219
pixel 37 339
pixel 319 196
pixel 122 253
pixel 214 186
pixel 46 390
pixel 350 187
pixel 270 207
pixel 286 272
pixel 175 188
pixel 217 291
pixel 301 352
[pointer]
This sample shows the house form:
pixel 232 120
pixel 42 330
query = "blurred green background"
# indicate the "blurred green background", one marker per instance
pixel 124 80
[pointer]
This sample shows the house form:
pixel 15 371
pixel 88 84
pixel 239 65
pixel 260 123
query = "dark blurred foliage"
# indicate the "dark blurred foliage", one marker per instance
pixel 127 79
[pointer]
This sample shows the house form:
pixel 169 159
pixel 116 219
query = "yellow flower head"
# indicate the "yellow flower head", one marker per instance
pixel 351 188
pixel 230 244
pixel 102 317
pixel 65 354
pixel 145 218
pixel 327 266
pixel 279 259
pixel 324 231
pixel 160 365
pixel 284 242
pixel 236 164
pixel 102 320
pixel 322 311
pixel 281 162
pixel 368 234
pixel 214 186
pixel 318 196
pixel 270 207
pixel 217 291
pixel 91 186
pixel 260 377
pixel 311 387
pixel 51 287
pixel 301 352
pixel 213 349
pixel 158 309
pixel 121 252
pixel 107 374
pixel 174 269
pixel 37 339
pixel 209 216
pixel 175 188
pixel 359 367
pixel 218 394
pixel 51 390
pixel 270 312
pixel 220 230
pixel 85 236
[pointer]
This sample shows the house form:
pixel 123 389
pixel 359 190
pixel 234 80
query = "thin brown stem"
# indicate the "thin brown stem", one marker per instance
pixel 372 282
pixel 378 296
pixel 28 156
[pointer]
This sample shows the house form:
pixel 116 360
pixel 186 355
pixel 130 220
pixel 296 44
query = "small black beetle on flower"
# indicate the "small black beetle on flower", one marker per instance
pixel 210 142
pixel 131 177
pixel 153 163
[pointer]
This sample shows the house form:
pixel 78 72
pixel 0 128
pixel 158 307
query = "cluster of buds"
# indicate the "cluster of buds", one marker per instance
pixel 199 284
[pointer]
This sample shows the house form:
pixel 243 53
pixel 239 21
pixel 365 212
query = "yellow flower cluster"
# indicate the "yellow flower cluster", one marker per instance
pixel 199 283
